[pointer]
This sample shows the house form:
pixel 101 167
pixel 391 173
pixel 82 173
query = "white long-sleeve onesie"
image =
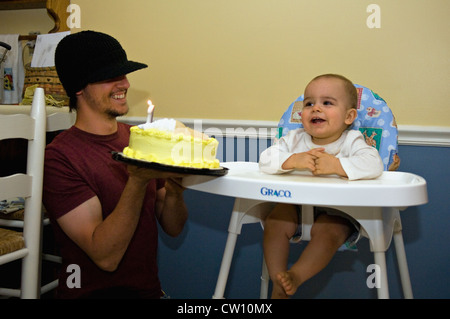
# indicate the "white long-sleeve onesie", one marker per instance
pixel 359 160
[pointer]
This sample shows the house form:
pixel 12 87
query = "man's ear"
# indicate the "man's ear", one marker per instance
pixel 351 116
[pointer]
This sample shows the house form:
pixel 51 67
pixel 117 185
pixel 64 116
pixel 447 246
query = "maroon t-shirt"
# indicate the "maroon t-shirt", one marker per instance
pixel 78 166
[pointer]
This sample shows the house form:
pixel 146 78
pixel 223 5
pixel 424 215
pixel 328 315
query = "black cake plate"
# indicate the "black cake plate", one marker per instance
pixel 119 156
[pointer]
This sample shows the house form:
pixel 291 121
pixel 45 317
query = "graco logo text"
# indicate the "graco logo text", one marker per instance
pixel 277 193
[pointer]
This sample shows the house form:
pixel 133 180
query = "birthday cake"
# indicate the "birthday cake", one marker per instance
pixel 169 142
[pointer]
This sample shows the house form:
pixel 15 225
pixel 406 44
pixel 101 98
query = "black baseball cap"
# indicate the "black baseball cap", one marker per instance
pixel 89 57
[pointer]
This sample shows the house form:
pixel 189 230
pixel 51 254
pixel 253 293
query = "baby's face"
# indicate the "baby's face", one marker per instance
pixel 326 110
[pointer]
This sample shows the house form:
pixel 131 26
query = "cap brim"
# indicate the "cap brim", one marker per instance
pixel 114 71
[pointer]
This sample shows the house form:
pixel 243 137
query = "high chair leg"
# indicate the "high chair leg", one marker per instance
pixel 242 214
pixel 225 266
pixel 403 265
pixel 264 281
pixel 380 260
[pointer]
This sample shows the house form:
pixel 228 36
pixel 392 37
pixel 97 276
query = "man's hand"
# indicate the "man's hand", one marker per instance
pixel 173 186
pixel 145 174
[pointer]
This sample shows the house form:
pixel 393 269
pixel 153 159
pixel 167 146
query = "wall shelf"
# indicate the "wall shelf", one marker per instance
pixel 57 9
pixel 22 4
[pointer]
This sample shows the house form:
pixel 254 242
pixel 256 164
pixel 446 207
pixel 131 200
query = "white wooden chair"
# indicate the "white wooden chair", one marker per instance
pixel 54 122
pixel 26 245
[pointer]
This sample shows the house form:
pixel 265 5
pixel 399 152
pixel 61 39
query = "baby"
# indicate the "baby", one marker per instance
pixel 324 146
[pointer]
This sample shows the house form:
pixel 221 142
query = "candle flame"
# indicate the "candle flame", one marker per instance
pixel 150 109
pixel 150 106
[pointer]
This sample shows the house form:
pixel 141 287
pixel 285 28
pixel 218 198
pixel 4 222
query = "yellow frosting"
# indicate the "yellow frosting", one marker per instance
pixel 178 149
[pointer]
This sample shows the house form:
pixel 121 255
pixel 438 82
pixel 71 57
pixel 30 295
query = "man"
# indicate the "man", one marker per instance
pixel 104 213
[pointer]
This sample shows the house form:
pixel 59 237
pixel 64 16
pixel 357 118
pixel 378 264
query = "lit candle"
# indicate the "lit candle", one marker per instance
pixel 150 109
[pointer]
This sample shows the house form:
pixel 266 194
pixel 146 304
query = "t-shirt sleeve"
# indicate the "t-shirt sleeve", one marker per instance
pixel 362 161
pixel 63 189
pixel 272 158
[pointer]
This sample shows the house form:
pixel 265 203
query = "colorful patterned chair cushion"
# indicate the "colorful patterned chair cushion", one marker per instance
pixel 375 120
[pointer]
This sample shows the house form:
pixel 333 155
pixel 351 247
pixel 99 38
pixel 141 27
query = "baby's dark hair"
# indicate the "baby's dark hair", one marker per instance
pixel 349 87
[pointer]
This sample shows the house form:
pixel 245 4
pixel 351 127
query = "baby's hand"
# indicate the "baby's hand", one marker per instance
pixel 303 161
pixel 316 152
pixel 326 164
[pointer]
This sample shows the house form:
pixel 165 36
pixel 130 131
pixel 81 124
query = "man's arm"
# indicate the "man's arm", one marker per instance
pixel 171 210
pixel 105 241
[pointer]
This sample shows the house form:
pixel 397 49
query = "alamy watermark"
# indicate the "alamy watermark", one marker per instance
pixel 374 19
pixel 74 279
pixel 374 279
pixel 74 19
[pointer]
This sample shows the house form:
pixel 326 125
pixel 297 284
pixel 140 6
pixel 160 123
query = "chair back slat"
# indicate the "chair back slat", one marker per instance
pixel 60 121
pixel 16 126
pixel 18 185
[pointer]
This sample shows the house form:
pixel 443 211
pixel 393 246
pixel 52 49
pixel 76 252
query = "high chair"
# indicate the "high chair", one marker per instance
pixel 27 245
pixel 375 204
pixel 377 123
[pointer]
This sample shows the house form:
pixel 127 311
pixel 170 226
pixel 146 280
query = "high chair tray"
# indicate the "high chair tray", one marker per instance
pixel 244 180
pixel 119 156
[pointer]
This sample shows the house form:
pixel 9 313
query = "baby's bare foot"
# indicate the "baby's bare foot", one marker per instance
pixel 288 282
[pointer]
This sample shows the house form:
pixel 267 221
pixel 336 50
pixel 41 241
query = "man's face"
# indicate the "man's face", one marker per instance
pixel 108 97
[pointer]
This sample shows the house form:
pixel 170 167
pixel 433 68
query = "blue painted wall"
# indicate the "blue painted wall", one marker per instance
pixel 189 264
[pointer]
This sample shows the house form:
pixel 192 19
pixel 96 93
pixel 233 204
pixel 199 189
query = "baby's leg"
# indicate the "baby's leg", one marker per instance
pixel 279 227
pixel 328 233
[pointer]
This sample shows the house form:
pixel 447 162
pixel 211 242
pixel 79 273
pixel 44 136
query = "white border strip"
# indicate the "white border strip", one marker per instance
pixel 424 135
pixel 407 134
